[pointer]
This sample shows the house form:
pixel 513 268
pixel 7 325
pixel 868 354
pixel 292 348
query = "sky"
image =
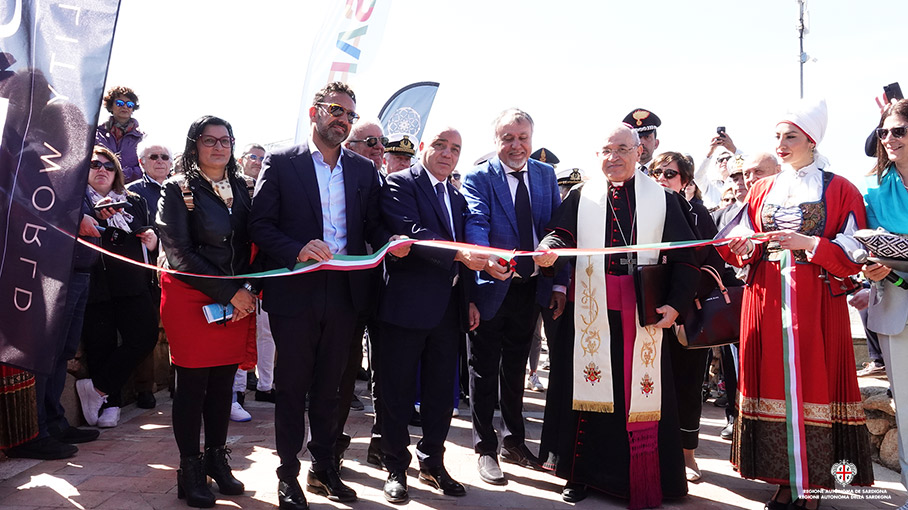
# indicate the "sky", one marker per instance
pixel 577 67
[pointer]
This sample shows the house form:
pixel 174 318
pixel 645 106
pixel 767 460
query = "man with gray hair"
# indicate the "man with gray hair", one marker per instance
pixel 367 140
pixel 620 429
pixel 511 199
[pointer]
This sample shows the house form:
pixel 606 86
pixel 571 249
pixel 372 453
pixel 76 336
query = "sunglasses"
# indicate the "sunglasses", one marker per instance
pixel 455 176
pixel 129 104
pixel 896 132
pixel 254 157
pixel 210 141
pixel 337 110
pixel 162 157
pixel 667 172
pixel 96 164
pixel 372 141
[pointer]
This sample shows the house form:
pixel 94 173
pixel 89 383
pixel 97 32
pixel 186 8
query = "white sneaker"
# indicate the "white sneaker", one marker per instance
pixel 533 383
pixel 237 413
pixel 456 412
pixel 90 399
pixel 110 417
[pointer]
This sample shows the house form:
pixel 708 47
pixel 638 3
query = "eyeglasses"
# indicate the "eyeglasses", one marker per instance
pixel 372 141
pixel 210 141
pixel 620 151
pixel 896 132
pixel 337 110
pixel 162 157
pixel 667 172
pixel 455 176
pixel 129 104
pixel 254 157
pixel 96 164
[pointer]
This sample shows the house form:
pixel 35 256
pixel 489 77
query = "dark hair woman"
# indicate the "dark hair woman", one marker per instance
pixel 120 133
pixel 120 294
pixel 887 208
pixel 798 397
pixel 202 221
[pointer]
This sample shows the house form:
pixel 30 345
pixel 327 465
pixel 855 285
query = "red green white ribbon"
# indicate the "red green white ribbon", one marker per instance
pixel 794 410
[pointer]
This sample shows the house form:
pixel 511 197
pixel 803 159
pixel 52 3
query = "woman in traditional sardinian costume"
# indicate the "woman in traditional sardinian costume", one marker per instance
pixel 799 404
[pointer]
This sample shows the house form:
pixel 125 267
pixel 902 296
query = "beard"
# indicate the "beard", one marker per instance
pixel 332 136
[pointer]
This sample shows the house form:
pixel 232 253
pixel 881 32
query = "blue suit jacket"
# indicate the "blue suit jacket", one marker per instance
pixel 418 287
pixel 287 214
pixel 492 221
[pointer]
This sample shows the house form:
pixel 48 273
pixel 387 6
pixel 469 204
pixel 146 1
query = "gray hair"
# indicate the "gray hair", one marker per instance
pixel 511 115
pixel 148 143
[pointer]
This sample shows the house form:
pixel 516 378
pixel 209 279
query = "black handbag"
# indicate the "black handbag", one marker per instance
pixel 716 320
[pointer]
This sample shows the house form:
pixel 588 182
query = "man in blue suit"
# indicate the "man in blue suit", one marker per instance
pixel 423 314
pixel 313 201
pixel 511 199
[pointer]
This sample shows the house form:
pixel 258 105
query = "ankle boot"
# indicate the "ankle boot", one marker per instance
pixel 192 483
pixel 217 468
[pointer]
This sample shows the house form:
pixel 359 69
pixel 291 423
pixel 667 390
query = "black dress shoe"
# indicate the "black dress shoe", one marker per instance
pixel 145 400
pixel 356 404
pixel 328 483
pixel 45 448
pixel 72 435
pixel 573 492
pixel 264 396
pixel 439 478
pixel 396 487
pixel 520 455
pixel 290 496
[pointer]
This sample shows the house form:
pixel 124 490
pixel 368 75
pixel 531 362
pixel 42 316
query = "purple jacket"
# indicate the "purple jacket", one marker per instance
pixel 125 149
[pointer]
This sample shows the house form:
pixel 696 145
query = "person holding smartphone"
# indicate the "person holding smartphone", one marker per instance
pixel 887 311
pixel 202 220
pixel 120 299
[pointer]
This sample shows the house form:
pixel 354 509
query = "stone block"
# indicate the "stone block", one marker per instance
pixel 878 426
pixel 889 450
pixel 880 402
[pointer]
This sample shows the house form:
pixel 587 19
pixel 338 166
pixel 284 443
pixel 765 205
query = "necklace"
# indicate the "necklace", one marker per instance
pixel 629 261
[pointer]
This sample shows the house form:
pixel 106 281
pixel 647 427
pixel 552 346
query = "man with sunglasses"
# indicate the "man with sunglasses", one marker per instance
pixel 121 132
pixel 366 139
pixel 156 160
pixel 251 160
pixel 645 122
pixel 313 201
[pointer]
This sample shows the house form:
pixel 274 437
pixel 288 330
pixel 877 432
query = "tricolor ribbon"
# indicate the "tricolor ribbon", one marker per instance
pixel 357 262
pixel 794 410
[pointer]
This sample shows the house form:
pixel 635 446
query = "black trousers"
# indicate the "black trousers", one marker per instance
pixel 348 384
pixel 498 351
pixel 375 374
pixel 689 367
pixel 202 394
pixel 109 364
pixel 433 353
pixel 312 350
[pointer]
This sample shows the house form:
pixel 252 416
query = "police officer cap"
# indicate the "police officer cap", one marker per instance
pixel 401 144
pixel 546 156
pixel 642 120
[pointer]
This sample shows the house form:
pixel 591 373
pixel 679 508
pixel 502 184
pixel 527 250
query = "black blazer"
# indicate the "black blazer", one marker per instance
pixel 418 286
pixel 287 214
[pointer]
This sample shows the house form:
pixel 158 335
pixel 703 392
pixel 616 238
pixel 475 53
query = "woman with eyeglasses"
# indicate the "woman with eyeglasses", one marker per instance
pixel 120 294
pixel 121 132
pixel 202 222
pixel 887 208
pixel 800 413
pixel 675 171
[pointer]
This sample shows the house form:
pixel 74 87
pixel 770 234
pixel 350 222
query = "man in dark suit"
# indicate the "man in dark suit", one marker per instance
pixel 313 201
pixel 423 313
pixel 510 201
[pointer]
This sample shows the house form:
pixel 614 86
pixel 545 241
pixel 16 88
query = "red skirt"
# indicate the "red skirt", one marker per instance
pixel 194 343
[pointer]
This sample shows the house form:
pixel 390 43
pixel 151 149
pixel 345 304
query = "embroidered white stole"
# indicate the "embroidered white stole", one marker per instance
pixel 592 377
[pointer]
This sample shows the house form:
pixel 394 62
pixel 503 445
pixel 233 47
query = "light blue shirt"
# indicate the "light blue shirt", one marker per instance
pixel 333 200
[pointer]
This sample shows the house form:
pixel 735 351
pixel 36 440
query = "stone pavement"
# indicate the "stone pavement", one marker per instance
pixel 133 466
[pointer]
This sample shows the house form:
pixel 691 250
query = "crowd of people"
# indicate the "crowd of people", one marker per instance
pixel 623 402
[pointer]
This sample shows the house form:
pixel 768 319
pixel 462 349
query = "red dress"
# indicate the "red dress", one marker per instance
pixel 833 417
